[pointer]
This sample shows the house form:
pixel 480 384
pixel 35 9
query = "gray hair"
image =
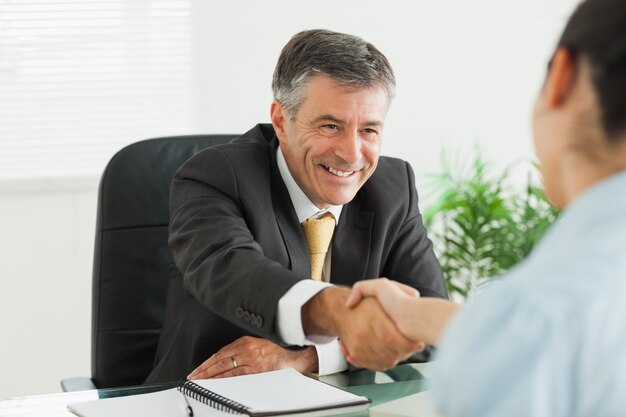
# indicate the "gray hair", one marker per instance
pixel 347 59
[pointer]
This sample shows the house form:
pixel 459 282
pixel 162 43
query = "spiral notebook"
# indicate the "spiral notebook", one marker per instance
pixel 284 392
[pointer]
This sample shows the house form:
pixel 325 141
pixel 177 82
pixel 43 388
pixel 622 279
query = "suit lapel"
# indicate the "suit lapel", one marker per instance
pixel 287 220
pixel 351 244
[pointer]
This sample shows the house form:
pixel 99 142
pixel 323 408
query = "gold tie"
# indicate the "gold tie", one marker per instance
pixel 318 233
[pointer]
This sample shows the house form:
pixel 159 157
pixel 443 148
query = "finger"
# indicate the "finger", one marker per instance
pixel 379 345
pixel 238 371
pixel 353 361
pixel 375 342
pixel 203 366
pixel 403 345
pixel 397 345
pixel 343 349
pixel 372 346
pixel 363 289
pixel 222 366
pixel 211 366
pixel 355 296
pixel 408 290
pixel 349 358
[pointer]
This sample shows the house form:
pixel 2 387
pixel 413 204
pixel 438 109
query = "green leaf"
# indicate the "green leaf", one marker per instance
pixel 485 225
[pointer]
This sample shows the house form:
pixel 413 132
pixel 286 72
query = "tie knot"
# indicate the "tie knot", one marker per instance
pixel 318 232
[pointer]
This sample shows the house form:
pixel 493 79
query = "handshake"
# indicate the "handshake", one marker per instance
pixel 379 322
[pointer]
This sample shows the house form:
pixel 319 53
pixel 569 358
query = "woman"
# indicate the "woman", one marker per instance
pixel 550 338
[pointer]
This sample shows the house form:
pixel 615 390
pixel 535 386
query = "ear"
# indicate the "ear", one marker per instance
pixel 278 116
pixel 560 77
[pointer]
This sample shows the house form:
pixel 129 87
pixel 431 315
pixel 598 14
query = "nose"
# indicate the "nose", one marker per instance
pixel 349 148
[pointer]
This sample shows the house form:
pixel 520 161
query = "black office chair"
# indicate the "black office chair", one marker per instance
pixel 132 259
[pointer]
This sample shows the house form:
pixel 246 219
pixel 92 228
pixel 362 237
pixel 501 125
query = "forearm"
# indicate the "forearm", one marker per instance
pixel 427 318
pixel 288 315
pixel 320 312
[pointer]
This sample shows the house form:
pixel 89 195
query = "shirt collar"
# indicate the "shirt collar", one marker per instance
pixel 301 203
pixel 603 200
pixel 599 200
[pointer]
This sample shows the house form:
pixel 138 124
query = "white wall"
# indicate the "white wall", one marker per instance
pixel 46 245
pixel 466 71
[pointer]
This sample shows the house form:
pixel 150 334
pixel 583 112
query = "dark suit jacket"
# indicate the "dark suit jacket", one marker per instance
pixel 238 246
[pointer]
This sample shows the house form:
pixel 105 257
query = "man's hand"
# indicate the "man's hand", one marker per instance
pixel 368 336
pixel 251 355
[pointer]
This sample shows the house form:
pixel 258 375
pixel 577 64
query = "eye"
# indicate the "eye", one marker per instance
pixel 330 129
pixel 370 133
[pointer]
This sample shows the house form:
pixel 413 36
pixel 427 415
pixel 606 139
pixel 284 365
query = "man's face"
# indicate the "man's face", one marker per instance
pixel 332 144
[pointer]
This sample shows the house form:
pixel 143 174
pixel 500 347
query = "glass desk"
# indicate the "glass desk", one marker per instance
pixel 380 387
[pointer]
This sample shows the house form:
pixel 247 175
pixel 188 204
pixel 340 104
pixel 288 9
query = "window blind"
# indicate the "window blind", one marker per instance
pixel 79 79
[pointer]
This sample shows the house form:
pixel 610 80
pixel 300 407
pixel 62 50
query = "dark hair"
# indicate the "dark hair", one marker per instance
pixel 597 31
pixel 347 59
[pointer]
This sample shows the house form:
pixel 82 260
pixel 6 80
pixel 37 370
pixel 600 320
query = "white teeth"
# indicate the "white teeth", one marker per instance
pixel 339 173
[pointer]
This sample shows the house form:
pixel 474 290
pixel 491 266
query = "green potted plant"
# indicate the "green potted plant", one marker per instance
pixel 480 225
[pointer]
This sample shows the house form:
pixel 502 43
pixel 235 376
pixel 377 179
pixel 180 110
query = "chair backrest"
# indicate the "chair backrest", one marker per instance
pixel 132 258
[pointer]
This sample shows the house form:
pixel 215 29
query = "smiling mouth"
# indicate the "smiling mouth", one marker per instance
pixel 337 172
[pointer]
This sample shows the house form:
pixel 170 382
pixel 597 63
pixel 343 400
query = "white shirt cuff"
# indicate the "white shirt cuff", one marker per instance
pixel 330 360
pixel 289 314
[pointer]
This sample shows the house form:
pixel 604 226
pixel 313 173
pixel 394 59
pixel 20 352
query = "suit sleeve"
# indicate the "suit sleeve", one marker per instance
pixel 222 265
pixel 411 259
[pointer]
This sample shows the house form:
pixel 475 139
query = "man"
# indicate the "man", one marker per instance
pixel 242 258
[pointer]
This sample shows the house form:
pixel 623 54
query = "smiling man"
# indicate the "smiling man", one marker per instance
pixel 268 231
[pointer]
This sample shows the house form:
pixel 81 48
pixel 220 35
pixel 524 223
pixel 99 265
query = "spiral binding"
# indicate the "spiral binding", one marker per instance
pixel 192 390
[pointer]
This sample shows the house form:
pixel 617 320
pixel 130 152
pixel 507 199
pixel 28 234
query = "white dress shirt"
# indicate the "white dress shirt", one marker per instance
pixel 289 322
pixel 549 339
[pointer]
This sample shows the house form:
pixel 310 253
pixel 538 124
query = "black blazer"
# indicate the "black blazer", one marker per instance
pixel 238 246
